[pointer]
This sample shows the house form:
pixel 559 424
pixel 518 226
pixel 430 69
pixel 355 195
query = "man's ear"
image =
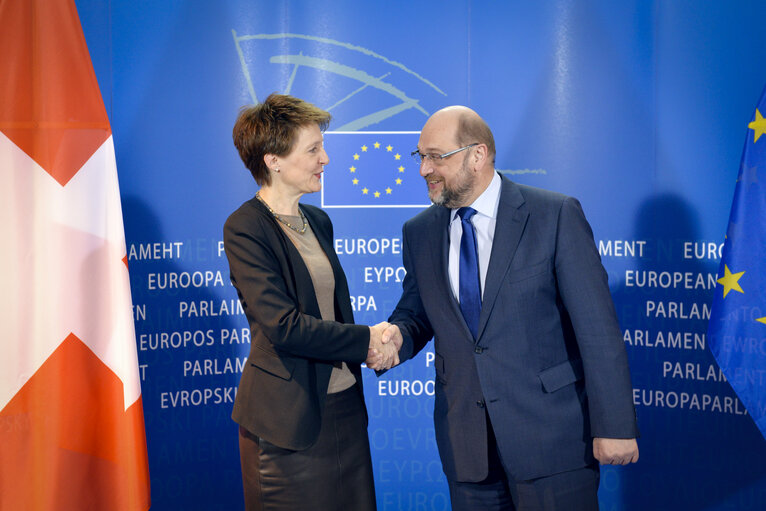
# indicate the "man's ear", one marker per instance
pixel 480 155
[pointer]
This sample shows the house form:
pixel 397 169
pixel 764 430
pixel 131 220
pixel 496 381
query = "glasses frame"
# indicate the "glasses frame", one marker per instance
pixel 421 158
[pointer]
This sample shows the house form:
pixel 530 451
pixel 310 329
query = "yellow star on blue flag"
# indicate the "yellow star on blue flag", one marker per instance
pixel 730 281
pixel 758 126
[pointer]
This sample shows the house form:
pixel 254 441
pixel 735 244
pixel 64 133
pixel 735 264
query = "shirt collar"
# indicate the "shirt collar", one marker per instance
pixel 486 204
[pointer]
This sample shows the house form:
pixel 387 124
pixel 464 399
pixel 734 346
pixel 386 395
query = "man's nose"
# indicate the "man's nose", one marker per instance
pixel 426 167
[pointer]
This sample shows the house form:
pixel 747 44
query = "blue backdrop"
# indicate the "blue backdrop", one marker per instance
pixel 638 108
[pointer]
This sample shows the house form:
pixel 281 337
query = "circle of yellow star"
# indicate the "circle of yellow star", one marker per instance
pixel 730 281
pixel 357 157
pixel 758 126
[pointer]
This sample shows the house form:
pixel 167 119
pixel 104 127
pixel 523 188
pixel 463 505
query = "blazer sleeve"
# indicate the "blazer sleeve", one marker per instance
pixel 259 270
pixel 409 314
pixel 584 290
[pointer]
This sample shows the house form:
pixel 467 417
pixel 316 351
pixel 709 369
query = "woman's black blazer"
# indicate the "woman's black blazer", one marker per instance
pixel 284 384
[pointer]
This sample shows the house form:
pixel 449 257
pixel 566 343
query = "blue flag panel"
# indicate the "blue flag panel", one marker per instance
pixel 372 169
pixel 737 329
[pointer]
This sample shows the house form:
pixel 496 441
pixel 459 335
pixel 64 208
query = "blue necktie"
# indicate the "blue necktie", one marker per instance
pixel 470 285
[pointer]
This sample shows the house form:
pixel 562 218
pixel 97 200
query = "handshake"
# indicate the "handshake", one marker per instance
pixel 385 343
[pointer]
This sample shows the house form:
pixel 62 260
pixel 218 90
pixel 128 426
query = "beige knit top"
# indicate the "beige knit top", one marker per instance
pixel 324 287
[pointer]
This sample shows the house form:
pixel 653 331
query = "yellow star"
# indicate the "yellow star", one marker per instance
pixel 356 156
pixel 762 320
pixel 389 148
pixel 377 194
pixel 364 148
pixel 401 169
pixel 398 181
pixel 355 181
pixel 352 169
pixel 377 145
pixel 388 191
pixel 397 156
pixel 364 191
pixel 758 126
pixel 729 281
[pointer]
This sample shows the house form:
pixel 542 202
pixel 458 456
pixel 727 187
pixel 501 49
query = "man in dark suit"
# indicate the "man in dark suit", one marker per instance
pixel 532 382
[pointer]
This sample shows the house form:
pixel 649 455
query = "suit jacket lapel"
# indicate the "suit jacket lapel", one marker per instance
pixel 511 219
pixel 440 257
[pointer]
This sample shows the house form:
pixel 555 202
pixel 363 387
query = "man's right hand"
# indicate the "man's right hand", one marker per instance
pixel 383 354
pixel 392 333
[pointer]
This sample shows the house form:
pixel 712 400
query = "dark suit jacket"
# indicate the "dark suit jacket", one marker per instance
pixel 282 392
pixel 549 364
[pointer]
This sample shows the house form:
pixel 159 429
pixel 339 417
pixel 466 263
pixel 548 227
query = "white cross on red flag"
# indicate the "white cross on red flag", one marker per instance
pixel 71 416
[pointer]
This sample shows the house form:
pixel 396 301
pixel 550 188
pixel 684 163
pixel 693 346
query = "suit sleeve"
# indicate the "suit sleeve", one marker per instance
pixel 257 274
pixel 584 290
pixel 409 314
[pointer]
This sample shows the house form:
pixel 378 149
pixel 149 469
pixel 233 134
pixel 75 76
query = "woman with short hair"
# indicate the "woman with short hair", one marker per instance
pixel 303 423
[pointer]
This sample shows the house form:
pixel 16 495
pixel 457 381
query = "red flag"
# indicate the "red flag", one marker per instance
pixel 71 417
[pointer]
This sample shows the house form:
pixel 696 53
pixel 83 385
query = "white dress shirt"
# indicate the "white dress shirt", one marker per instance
pixel 484 224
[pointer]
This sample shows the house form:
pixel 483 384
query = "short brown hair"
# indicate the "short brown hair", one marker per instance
pixel 472 128
pixel 270 128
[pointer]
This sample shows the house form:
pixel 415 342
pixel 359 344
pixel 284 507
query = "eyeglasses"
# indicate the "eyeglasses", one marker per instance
pixel 421 158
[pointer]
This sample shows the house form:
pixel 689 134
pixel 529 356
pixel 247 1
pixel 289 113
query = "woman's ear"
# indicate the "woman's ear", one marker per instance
pixel 271 161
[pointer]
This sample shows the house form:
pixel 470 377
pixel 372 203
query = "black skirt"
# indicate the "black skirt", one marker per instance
pixel 333 474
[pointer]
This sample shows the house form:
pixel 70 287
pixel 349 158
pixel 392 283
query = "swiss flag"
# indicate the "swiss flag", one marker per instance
pixel 71 417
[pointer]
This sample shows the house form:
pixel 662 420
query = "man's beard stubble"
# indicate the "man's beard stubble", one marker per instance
pixel 456 196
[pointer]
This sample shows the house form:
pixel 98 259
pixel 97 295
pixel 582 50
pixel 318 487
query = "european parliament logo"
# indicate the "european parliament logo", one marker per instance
pixel 372 169
pixel 361 88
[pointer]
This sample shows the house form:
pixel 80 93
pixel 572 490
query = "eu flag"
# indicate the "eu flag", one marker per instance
pixel 737 329
pixel 372 169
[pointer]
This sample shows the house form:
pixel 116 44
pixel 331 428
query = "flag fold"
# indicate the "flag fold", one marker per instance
pixel 737 328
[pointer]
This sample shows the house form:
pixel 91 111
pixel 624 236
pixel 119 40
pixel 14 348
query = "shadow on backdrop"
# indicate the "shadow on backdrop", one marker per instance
pixel 681 446
pixel 189 445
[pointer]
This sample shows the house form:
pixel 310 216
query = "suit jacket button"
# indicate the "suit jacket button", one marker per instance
pixel 480 404
pixel 478 349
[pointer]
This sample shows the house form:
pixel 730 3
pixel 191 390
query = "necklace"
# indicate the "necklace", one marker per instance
pixel 299 230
